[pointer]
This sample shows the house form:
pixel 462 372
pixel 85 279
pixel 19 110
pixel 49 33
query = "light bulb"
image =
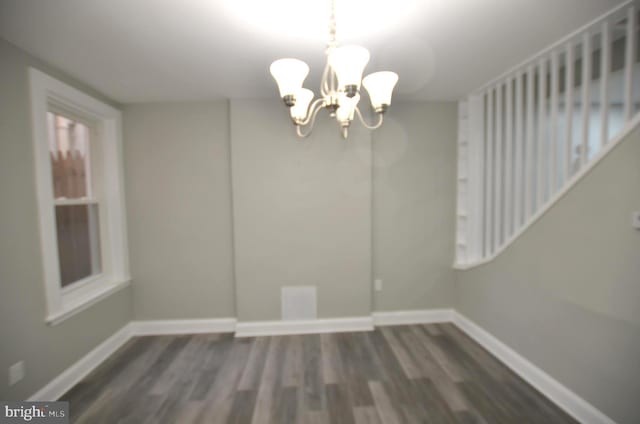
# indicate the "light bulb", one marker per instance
pixel 380 85
pixel 348 62
pixel 289 75
pixel 299 110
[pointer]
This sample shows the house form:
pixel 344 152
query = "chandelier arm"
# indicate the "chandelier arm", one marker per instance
pixel 324 85
pixel 333 81
pixel 300 134
pixel 332 25
pixel 370 126
pixel 313 110
pixel 311 121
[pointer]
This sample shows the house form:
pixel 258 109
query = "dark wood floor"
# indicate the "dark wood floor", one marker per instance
pixel 404 374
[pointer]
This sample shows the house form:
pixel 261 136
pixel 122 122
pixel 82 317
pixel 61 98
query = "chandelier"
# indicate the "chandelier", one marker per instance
pixel 339 86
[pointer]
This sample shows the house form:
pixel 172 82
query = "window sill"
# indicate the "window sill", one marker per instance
pixel 74 304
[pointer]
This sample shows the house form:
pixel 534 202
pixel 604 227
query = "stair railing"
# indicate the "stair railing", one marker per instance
pixel 527 136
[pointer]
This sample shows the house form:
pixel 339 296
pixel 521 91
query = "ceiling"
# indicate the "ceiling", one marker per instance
pixel 175 50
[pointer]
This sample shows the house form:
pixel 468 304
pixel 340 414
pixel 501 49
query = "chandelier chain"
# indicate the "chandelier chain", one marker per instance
pixel 332 26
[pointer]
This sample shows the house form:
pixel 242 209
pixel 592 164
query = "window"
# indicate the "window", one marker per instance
pixel 76 201
pixel 80 200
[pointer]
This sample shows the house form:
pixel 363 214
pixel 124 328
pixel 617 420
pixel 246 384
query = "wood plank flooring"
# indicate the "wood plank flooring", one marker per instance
pixel 404 374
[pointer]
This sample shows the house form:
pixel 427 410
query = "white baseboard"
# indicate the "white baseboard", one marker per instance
pixel 573 404
pixel 76 372
pixel 554 390
pixel 183 326
pixel 330 325
pixel 426 316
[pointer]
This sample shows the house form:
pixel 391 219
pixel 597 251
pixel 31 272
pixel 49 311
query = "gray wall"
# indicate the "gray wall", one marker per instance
pixel 566 294
pixel 178 187
pixel 414 206
pixel 302 212
pixel 24 335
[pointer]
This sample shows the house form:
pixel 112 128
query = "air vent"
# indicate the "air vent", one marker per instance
pixel 299 303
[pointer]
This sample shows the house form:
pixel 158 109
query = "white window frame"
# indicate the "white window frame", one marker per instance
pixel 63 303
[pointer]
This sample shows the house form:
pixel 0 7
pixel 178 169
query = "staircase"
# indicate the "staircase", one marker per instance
pixel 525 138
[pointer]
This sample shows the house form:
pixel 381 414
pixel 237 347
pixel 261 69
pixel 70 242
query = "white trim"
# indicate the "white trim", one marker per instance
pixel 552 148
pixel 510 168
pixel 586 97
pixel 75 202
pixel 530 146
pixel 75 304
pixel 79 370
pixel 605 70
pixel 183 326
pixel 462 202
pixel 425 316
pixel 329 325
pixel 475 190
pixel 568 92
pixel 604 151
pixel 498 168
pixel 489 174
pixel 630 42
pixel 573 404
pixel 542 124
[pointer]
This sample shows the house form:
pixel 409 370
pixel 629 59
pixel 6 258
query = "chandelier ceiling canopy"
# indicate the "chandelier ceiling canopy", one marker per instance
pixel 339 86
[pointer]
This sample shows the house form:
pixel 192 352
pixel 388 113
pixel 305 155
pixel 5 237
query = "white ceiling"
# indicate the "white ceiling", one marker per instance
pixel 164 50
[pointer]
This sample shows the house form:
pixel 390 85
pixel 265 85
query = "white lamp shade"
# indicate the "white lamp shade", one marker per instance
pixel 299 110
pixel 289 75
pixel 347 107
pixel 380 85
pixel 349 62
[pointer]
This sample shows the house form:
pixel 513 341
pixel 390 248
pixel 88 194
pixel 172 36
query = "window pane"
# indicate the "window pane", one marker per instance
pixel 78 242
pixel 69 149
